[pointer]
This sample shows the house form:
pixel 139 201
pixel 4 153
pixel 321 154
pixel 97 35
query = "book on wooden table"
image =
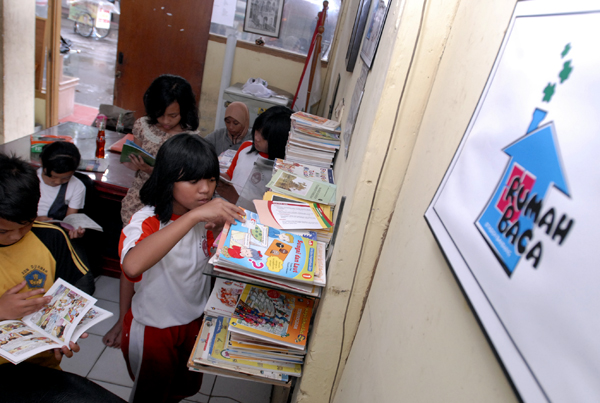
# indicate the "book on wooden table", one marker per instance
pixel 74 221
pixel 272 315
pixel 224 297
pixel 131 148
pixel 302 188
pixel 93 165
pixel 70 313
pixel 256 248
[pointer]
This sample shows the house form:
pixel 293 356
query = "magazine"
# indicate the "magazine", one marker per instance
pixel 293 185
pixel 70 313
pixel 273 315
pixel 77 220
pixel 201 354
pixel 224 297
pixel 289 216
pixel 225 159
pixel 315 121
pixel 131 148
pixel 306 289
pixel 307 171
pixel 218 352
pixel 254 247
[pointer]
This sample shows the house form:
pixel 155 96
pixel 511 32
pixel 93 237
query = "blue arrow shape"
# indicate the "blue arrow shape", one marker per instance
pixel 535 160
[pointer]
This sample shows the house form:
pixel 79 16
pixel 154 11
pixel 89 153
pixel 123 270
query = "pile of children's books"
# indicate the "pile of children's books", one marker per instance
pixel 313 140
pixel 296 187
pixel 254 252
pixel 253 330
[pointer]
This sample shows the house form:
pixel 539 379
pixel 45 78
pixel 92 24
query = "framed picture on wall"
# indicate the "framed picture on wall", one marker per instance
pixel 360 22
pixel 376 23
pixel 263 17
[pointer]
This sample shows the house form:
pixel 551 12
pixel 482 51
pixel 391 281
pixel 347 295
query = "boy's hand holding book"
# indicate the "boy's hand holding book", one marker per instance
pixel 15 305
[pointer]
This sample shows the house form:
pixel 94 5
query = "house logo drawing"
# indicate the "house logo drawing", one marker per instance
pixel 518 222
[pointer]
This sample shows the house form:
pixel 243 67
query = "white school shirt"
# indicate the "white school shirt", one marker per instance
pixel 174 291
pixel 242 165
pixel 74 198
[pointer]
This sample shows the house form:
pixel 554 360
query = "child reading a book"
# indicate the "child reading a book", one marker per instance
pixel 269 138
pixel 62 194
pixel 170 109
pixel 165 250
pixel 33 254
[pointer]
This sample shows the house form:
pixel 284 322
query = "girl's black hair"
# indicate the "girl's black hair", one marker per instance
pixel 183 157
pixel 59 157
pixel 167 89
pixel 274 125
pixel 19 190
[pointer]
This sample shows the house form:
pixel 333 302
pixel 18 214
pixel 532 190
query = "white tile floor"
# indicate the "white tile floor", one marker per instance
pixel 106 366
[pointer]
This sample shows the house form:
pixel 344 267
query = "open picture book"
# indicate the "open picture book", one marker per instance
pixel 70 313
pixel 74 221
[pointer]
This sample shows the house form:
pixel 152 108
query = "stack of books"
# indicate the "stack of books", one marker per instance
pixel 313 140
pixel 260 331
pixel 312 186
pixel 254 252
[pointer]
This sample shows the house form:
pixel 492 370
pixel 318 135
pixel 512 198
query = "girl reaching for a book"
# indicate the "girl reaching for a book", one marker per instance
pixel 165 249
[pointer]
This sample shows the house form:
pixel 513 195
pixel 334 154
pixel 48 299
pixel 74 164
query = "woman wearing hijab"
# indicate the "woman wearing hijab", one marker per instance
pixel 235 132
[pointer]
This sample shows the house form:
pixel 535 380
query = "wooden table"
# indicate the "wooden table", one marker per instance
pixel 111 186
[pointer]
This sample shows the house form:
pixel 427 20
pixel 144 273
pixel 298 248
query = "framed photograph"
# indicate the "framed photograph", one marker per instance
pixel 376 23
pixel 360 22
pixel 263 17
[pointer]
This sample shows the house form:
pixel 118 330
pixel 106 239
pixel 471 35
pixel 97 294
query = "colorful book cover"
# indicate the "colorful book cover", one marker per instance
pixel 218 352
pixel 273 315
pixel 293 185
pixel 307 171
pixel 255 247
pixel 224 297
pixel 131 148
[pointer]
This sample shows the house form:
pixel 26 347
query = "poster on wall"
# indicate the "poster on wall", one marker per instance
pixel 517 212
pixel 263 17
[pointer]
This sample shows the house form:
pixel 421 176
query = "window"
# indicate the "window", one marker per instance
pixel 297 26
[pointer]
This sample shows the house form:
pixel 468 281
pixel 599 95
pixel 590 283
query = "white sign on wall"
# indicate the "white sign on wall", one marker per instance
pixel 517 213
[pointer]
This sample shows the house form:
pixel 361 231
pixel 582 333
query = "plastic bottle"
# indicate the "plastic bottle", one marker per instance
pixel 101 137
pixel 120 128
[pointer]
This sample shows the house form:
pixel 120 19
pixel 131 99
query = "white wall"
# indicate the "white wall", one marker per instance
pixel 17 67
pixel 393 324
